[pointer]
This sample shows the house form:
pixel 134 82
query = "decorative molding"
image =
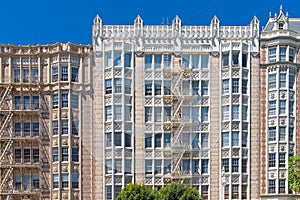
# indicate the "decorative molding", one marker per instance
pixel 139 53
pixel 177 54
pixel 98 53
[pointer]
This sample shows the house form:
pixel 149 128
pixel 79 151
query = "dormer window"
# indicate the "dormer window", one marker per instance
pixel 280 26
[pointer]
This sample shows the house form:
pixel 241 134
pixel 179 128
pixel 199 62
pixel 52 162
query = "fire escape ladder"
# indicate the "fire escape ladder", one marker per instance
pixel 7 173
pixel 4 94
pixel 4 123
pixel 4 150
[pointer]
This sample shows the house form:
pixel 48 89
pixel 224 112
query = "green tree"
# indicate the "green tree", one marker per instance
pixel 137 192
pixel 294 173
pixel 178 192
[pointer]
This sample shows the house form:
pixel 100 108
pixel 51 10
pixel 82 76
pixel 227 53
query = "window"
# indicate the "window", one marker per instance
pixel 65 180
pixel 204 87
pixel 64 153
pixel 282 134
pixel 291 134
pixel 204 140
pixel 118 189
pixel 186 87
pixel 108 140
pixel 157 140
pixel 235 58
pixel 235 85
pixel 75 155
pixel 127 113
pixel 26 129
pixel 18 155
pixel 16 75
pixel 244 112
pixel 185 114
pixel 157 166
pixel 291 54
pixel 108 192
pixel 235 112
pixel 282 53
pixel 195 87
pixel 54 74
pixel 35 128
pixel 54 154
pixel 282 80
pixel 128 166
pixel 167 61
pixel 244 86
pixel 272 81
pixel 148 61
pixel 55 101
pixel 157 88
pixel 272 134
pixel 108 86
pixel 225 59
pixel 244 60
pixel 64 73
pixel 185 166
pixel 167 166
pixel 272 159
pixel 225 139
pixel 235 191
pixel 74 101
pixel 281 159
pixel 167 88
pixel 282 105
pixel 74 75
pixel 281 186
pixel 195 166
pixel 118 112
pixel 148 114
pixel 204 114
pixel 291 108
pixel 17 102
pixel 118 59
pixel 167 140
pixel 75 127
pixel 204 166
pixel 17 128
pixel 185 139
pixel 225 86
pixel 244 191
pixel 127 59
pixel 118 85
pixel 18 182
pixel 157 61
pixel 148 89
pixel 157 114
pixel 225 113
pixel 244 165
pixel 272 55
pixel 204 191
pixel 127 140
pixel 26 105
pixel 225 164
pixel 235 165
pixel 185 61
pixel 291 81
pixel 195 140
pixel 36 155
pixel 272 107
pixel 35 181
pixel 272 185
pixel 148 167
pixel 118 165
pixel 195 114
pixel 280 25
pixel 195 61
pixel 204 61
pixel 127 86
pixel 226 192
pixel 64 100
pixel 108 166
pixel 148 140
pixel 55 181
pixel 27 155
pixel 108 113
pixel 64 127
pixel 75 178
pixel 235 138
pixel 108 59
pixel 26 76
pixel 118 139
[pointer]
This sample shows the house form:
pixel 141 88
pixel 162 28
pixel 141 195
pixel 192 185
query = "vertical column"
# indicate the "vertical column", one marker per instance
pixel 214 127
pixel 298 109
pixel 139 121
pixel 255 128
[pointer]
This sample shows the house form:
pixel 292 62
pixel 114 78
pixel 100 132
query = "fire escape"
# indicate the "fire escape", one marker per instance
pixel 177 99
pixel 20 167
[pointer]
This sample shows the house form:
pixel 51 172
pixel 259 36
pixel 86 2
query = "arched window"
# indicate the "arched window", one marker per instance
pixel 280 25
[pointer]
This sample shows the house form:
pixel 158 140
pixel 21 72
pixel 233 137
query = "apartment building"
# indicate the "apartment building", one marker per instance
pixel 214 107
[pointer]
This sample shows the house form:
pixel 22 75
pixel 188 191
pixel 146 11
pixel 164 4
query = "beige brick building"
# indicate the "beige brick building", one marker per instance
pixel 215 107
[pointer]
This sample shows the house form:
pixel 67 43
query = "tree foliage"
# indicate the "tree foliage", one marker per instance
pixel 294 173
pixel 171 192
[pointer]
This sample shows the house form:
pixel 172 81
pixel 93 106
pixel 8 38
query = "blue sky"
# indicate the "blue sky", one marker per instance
pixel 34 22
